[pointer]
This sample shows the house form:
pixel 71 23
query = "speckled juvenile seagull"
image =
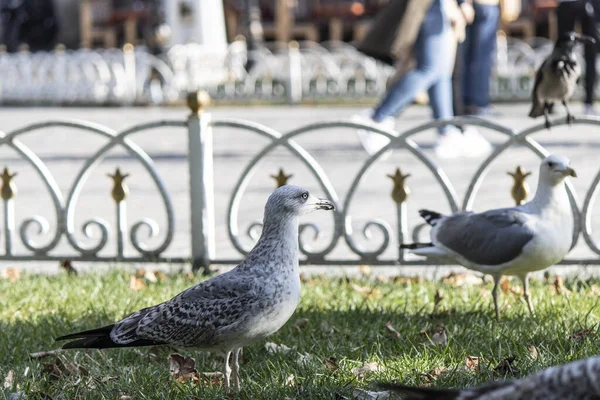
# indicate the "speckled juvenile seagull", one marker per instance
pixel 578 380
pixel 508 241
pixel 229 311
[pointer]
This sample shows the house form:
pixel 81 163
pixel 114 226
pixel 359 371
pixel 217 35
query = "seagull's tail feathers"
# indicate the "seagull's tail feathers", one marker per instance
pixel 416 393
pixel 412 246
pixel 430 251
pixel 537 109
pixel 431 217
pixel 99 339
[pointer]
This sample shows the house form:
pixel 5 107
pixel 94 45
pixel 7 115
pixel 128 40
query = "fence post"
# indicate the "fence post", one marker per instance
pixel 200 159
pixel 294 87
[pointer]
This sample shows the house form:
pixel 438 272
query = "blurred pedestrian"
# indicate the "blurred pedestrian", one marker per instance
pixel 479 48
pixel 587 13
pixel 421 28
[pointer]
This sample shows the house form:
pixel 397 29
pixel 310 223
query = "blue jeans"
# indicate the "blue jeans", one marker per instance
pixel 479 47
pixel 433 71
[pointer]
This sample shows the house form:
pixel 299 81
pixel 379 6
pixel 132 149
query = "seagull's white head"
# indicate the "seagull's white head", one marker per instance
pixel 292 200
pixel 554 169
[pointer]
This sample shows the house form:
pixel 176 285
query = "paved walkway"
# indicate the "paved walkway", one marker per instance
pixel 337 150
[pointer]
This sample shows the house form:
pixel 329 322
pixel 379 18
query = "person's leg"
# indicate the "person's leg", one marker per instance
pixel 565 16
pixel 457 87
pixel 429 44
pixel 468 60
pixel 483 51
pixel 588 27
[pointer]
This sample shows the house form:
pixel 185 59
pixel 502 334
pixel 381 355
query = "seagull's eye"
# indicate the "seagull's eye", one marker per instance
pixel 305 195
pixel 551 164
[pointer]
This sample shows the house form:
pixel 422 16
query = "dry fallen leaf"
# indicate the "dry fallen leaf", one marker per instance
pixel 290 380
pixel 367 292
pixel 533 353
pixel 361 394
pixel 472 363
pixel 504 284
pixel 136 283
pixel 382 279
pixel 461 279
pixel 68 266
pixel 366 368
pixel 182 368
pixel 274 348
pixel 331 363
pixel 406 280
pixel 506 367
pixel 301 323
pixel 365 269
pixel 58 369
pixel 431 375
pixel 582 334
pixel 436 335
pixel 391 328
pixel 9 379
pixel 11 274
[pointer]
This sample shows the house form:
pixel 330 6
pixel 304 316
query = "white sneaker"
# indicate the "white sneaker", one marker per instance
pixel 373 142
pixel 475 145
pixel 450 144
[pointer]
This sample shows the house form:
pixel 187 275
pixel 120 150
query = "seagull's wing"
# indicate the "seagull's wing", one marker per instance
pixel 537 108
pixel 194 317
pixel 491 238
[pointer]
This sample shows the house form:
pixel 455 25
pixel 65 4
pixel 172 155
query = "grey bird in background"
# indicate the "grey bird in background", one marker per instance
pixel 234 309
pixel 578 380
pixel 508 241
pixel 557 77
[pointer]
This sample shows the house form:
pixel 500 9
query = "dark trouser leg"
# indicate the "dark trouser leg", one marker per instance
pixel 457 86
pixel 588 27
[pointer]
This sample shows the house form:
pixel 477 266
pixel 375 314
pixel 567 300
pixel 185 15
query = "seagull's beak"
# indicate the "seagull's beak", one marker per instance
pixel 323 204
pixel 570 172
pixel 314 203
pixel 586 39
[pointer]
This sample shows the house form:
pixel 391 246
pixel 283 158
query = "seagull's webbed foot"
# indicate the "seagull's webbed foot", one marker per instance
pixel 495 296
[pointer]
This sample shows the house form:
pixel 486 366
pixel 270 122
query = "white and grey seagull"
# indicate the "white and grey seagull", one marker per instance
pixel 234 309
pixel 508 241
pixel 578 380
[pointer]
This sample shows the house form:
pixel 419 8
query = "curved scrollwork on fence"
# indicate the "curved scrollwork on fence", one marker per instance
pixel 379 239
pixel 64 207
pixel 391 237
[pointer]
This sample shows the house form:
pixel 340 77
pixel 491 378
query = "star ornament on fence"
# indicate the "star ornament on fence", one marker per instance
pixel 400 191
pixel 8 189
pixel 520 189
pixel 120 189
pixel 281 178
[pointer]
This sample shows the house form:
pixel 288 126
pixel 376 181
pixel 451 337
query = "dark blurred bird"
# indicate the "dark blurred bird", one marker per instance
pixel 579 380
pixel 557 77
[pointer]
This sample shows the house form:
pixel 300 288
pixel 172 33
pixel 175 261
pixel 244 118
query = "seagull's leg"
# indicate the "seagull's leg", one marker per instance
pixel 495 295
pixel 235 369
pixel 570 118
pixel 226 371
pixel 526 294
pixel 546 117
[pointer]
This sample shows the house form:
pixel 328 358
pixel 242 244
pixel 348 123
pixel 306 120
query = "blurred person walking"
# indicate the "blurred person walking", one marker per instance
pixel 479 47
pixel 419 28
pixel 587 13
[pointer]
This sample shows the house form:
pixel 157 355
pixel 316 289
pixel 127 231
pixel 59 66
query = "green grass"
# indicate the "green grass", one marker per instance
pixel 345 322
